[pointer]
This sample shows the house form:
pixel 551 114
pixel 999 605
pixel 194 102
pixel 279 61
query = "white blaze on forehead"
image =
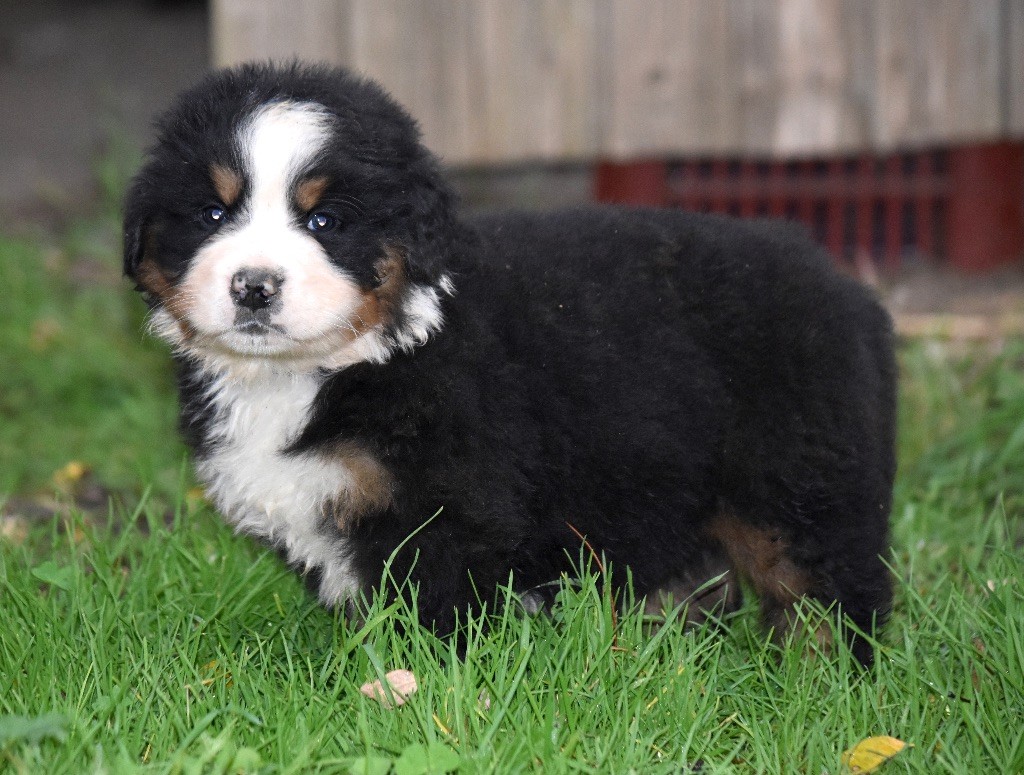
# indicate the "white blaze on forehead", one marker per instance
pixel 278 143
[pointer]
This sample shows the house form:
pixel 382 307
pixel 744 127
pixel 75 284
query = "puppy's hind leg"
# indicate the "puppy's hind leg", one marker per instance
pixel 760 556
pixel 708 589
pixel 785 568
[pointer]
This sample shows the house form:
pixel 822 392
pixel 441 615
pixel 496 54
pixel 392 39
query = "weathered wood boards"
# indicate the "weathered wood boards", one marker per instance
pixel 509 80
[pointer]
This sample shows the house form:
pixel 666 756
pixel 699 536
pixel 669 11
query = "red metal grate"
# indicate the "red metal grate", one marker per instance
pixel 964 205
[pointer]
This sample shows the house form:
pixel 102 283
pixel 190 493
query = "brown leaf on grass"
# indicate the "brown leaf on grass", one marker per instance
pixel 401 682
pixel 212 674
pixel 13 529
pixel 871 753
pixel 76 481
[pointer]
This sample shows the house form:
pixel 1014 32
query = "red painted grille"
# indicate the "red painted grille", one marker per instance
pixel 964 205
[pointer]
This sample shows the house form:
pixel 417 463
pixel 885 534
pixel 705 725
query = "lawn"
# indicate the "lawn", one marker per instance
pixel 139 634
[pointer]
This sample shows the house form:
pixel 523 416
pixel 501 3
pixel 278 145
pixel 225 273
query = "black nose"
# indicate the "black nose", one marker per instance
pixel 254 288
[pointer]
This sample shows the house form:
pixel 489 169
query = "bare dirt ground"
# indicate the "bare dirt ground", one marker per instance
pixel 930 300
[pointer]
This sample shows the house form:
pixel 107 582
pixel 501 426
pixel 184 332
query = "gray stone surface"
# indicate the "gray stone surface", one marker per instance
pixel 80 79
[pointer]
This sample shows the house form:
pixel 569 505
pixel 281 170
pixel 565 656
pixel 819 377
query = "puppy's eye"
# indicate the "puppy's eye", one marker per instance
pixel 212 215
pixel 322 222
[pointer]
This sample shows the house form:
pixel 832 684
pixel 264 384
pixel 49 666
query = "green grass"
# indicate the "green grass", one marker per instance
pixel 147 637
pixel 79 380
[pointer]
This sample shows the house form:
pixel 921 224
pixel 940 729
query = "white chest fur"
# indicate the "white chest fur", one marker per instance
pixel 263 491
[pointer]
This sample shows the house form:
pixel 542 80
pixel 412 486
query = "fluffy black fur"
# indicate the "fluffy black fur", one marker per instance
pixel 632 374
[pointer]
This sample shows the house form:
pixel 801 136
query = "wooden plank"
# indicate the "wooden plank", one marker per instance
pixel 673 73
pixel 780 78
pixel 939 71
pixel 425 54
pixel 539 85
pixel 758 80
pixel 858 20
pixel 1013 69
pixel 975 61
pixel 241 30
pixel 499 81
pixel 816 106
pixel 489 81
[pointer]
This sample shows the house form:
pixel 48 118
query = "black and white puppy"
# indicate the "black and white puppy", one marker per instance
pixel 694 395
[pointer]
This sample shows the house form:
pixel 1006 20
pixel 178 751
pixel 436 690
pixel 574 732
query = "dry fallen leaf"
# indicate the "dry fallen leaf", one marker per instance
pixel 402 683
pixel 871 753
pixel 212 674
pixel 13 529
pixel 69 475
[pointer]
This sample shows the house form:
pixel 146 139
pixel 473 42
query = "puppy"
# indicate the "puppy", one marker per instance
pixel 369 379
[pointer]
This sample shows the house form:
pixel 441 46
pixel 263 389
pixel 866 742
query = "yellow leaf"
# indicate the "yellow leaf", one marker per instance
pixel 871 753
pixel 402 683
pixel 195 499
pixel 70 474
pixel 212 675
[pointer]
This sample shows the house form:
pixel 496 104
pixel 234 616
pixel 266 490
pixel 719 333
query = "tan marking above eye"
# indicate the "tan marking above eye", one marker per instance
pixel 226 182
pixel 309 191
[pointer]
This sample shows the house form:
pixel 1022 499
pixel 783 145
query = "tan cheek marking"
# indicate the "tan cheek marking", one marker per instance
pixel 379 304
pixel 309 191
pixel 226 182
pixel 371 490
pixel 174 300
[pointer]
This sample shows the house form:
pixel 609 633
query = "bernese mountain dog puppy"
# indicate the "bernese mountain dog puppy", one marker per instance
pixel 370 379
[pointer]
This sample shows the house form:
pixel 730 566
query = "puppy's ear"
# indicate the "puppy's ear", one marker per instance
pixel 431 228
pixel 136 215
pixel 133 249
pixel 138 226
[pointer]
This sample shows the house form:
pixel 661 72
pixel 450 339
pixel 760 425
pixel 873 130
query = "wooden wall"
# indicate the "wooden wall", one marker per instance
pixel 511 80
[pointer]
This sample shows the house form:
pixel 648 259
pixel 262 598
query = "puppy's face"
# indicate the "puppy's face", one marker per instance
pixel 266 229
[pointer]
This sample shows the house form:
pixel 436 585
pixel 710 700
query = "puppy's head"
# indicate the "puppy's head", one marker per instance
pixel 289 216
